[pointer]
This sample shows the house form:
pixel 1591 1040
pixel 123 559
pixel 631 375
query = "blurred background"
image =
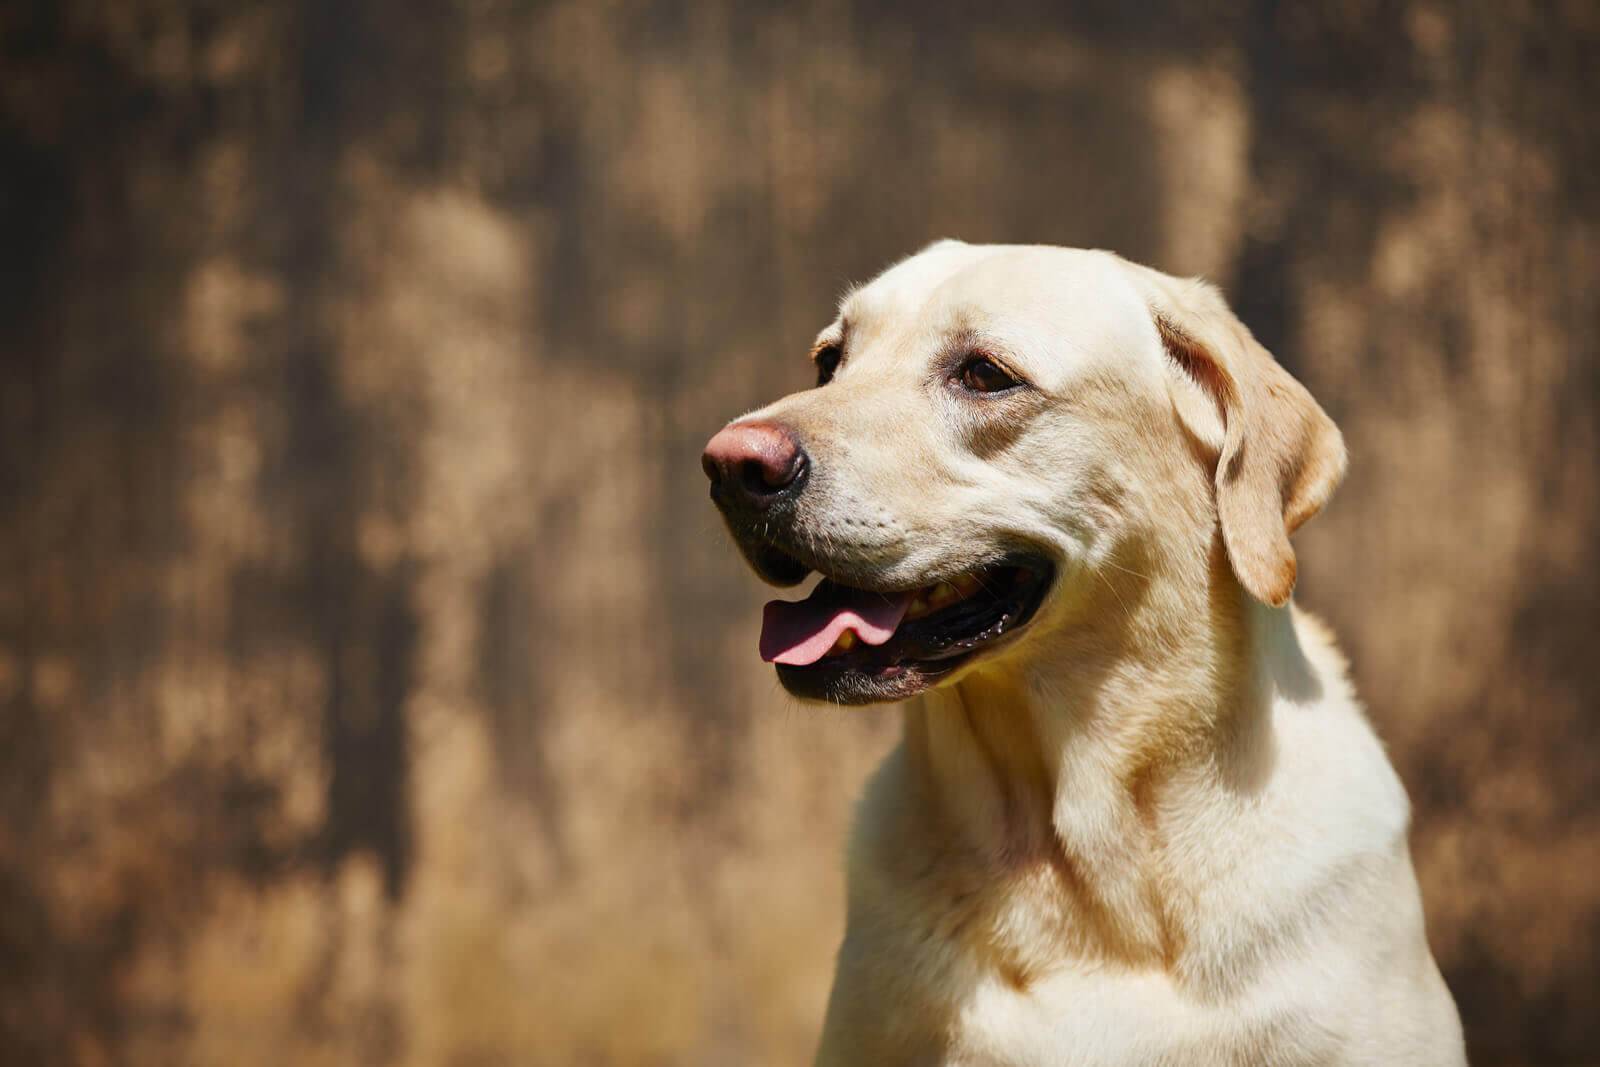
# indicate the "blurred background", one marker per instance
pixel 376 683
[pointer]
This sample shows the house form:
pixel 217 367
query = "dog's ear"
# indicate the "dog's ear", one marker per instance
pixel 1281 456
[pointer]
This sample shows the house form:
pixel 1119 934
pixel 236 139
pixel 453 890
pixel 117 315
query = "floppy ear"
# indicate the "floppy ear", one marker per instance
pixel 1281 458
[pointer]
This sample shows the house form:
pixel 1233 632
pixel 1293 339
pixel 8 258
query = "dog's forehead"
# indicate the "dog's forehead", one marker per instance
pixel 1079 298
pixel 906 286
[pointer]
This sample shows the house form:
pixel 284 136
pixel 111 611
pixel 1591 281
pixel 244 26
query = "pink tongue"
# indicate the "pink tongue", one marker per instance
pixel 798 632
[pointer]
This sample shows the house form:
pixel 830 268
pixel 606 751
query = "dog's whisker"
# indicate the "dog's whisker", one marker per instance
pixel 1125 570
pixel 1112 586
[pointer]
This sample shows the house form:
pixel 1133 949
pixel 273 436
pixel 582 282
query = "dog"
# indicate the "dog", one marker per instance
pixel 1137 815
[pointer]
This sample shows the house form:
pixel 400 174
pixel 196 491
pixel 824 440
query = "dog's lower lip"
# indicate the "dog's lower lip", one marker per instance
pixel 777 566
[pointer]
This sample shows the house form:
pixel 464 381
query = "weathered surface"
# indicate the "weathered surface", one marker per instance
pixel 377 686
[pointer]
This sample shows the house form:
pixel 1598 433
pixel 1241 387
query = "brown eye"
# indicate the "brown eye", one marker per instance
pixel 981 375
pixel 827 360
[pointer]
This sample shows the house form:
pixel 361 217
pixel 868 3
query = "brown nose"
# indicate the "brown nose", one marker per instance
pixel 753 464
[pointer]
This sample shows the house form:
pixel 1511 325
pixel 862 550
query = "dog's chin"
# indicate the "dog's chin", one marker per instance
pixel 773 565
pixel 854 686
pixel 956 620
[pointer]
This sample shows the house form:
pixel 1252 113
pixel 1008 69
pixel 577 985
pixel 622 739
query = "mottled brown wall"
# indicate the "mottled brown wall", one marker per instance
pixel 375 683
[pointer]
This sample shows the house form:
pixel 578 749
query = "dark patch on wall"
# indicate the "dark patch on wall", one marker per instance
pixel 512 668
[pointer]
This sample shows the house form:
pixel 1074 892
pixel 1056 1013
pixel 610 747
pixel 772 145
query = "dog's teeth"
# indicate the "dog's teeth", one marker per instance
pixel 945 594
pixel 844 642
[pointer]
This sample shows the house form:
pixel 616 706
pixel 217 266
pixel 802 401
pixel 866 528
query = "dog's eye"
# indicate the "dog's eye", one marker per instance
pixel 827 360
pixel 981 375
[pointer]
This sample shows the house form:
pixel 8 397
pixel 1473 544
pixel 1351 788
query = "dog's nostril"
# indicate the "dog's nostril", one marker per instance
pixel 709 465
pixel 759 478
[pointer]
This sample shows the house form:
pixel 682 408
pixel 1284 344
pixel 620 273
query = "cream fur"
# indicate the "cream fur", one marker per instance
pixel 1157 829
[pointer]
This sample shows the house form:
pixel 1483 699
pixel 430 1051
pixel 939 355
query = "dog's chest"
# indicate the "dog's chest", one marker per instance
pixel 982 964
pixel 1136 1018
pixel 1099 1016
pixel 1024 979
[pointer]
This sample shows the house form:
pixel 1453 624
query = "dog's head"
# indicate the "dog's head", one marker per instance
pixel 991 427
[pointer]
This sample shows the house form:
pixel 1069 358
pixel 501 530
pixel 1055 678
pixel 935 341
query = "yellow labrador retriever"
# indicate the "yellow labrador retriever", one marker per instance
pixel 1138 816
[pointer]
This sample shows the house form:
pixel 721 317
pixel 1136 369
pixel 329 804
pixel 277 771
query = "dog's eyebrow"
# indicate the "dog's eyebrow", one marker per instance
pixel 847 298
pixel 830 337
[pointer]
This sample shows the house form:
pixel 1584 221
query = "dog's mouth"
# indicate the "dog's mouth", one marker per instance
pixel 858 646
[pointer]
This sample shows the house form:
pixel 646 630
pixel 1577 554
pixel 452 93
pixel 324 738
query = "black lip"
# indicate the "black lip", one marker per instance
pixel 924 651
pixel 773 565
pixel 755 530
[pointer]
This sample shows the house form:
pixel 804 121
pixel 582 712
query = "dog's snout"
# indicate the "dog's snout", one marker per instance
pixel 753 464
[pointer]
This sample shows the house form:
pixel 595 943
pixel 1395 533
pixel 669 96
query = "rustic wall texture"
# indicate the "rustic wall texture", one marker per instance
pixel 376 686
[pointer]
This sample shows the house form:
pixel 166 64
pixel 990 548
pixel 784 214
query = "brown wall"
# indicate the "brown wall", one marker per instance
pixel 376 685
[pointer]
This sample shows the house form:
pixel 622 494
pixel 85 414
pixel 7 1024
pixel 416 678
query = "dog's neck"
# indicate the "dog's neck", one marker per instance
pixel 1067 766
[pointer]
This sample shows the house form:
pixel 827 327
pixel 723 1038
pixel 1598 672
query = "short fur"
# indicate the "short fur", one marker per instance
pixel 1157 828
